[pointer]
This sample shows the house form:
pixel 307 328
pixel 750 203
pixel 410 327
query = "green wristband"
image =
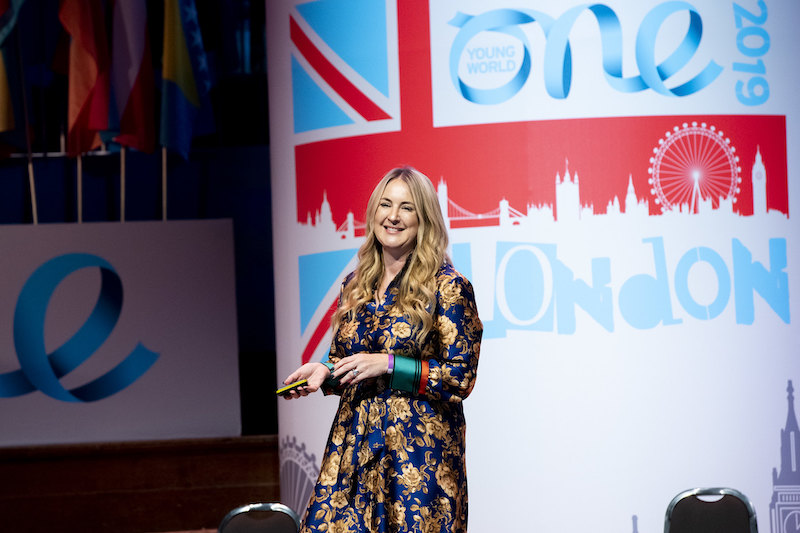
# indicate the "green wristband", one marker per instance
pixel 330 381
pixel 406 374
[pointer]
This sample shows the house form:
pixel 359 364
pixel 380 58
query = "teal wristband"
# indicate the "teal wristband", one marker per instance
pixel 330 380
pixel 406 373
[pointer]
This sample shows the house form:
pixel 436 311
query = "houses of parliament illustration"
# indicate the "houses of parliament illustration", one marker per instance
pixel 784 509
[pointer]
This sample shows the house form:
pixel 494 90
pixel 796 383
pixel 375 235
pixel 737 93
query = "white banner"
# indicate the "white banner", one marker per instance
pixel 617 184
pixel 118 332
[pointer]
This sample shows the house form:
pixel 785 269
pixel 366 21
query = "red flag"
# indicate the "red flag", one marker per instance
pixel 87 112
pixel 132 76
pixel 10 93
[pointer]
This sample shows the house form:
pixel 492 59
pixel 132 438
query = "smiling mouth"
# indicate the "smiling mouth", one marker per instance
pixel 391 229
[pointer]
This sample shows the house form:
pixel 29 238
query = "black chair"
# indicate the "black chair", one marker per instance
pixel 711 510
pixel 260 518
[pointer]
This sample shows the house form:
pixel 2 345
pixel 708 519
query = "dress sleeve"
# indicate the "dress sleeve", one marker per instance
pixel 331 385
pixel 449 365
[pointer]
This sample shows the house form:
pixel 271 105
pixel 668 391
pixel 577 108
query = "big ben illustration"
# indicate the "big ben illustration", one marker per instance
pixel 759 177
pixel 784 510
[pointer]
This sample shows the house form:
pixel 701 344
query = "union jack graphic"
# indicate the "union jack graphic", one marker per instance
pixel 520 159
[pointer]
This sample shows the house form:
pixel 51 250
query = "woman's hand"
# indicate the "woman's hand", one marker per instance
pixel 314 373
pixel 356 368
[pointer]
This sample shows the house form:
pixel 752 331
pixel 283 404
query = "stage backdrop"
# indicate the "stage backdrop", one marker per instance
pixel 620 181
pixel 117 331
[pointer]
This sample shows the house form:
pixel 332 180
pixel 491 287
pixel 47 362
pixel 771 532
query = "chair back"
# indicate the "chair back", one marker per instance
pixel 710 510
pixel 260 518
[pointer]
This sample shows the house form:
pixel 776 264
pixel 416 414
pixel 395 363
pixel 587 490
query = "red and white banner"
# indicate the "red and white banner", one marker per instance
pixel 616 179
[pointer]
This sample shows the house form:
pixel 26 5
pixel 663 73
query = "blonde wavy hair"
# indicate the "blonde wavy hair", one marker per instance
pixel 416 296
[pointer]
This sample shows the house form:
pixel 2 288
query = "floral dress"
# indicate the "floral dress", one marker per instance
pixel 394 460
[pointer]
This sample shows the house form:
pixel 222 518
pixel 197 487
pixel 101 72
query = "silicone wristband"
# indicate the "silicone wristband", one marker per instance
pixel 391 364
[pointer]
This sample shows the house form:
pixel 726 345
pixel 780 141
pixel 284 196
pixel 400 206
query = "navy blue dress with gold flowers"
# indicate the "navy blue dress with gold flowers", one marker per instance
pixel 394 460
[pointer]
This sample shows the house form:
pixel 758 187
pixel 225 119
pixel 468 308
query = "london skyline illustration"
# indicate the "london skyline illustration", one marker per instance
pixel 568 207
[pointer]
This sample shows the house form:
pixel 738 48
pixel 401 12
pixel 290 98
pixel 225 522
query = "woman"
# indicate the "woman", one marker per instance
pixel 403 357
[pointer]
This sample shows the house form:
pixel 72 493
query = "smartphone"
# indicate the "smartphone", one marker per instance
pixel 291 386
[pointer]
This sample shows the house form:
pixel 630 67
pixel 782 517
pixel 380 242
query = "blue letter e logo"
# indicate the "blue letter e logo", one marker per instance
pixel 41 370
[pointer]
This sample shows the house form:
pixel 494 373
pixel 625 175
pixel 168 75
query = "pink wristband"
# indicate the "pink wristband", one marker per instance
pixel 391 364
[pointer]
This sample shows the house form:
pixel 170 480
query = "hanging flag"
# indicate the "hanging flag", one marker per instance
pixel 185 76
pixel 8 17
pixel 87 113
pixel 9 93
pixel 132 76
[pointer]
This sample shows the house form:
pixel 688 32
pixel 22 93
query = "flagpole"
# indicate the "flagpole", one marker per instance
pixel 31 180
pixel 164 183
pixel 32 185
pixel 80 188
pixel 122 184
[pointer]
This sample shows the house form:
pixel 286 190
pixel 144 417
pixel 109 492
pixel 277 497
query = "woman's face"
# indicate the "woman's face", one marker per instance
pixel 396 221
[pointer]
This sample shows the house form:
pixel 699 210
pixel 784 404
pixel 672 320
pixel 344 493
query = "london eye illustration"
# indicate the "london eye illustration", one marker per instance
pixel 693 164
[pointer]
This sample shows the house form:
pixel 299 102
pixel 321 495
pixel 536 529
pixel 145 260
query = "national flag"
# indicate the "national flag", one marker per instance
pixel 132 76
pixel 185 75
pixel 12 114
pixel 8 17
pixel 6 106
pixel 8 20
pixel 88 105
